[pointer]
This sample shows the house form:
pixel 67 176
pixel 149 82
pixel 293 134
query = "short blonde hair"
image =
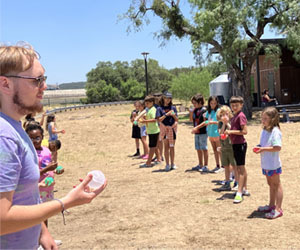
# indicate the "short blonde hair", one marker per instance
pixel 17 58
pixel 224 110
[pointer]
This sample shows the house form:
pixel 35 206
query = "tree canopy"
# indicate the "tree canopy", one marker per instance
pixel 126 81
pixel 233 28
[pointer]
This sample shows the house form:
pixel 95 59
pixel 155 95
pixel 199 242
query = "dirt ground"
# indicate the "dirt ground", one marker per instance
pixel 153 209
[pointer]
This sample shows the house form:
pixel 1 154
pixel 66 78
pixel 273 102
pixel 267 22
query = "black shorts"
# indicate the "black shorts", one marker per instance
pixel 153 138
pixel 239 152
pixel 136 132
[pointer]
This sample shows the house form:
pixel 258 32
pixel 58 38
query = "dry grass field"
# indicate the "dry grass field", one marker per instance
pixel 153 209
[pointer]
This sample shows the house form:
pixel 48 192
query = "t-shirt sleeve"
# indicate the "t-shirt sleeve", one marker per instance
pixel 159 112
pixel 243 120
pixel 276 138
pixel 206 114
pixel 10 165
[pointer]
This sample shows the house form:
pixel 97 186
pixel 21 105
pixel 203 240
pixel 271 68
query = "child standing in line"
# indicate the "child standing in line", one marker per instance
pixel 54 146
pixel 152 130
pixel 239 144
pixel 167 117
pixel 224 116
pixel 200 133
pixel 136 132
pixel 212 129
pixel 46 166
pixel 160 148
pixel 52 128
pixel 270 145
pixel 141 107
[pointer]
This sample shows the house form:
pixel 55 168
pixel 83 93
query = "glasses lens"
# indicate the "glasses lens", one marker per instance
pixel 41 80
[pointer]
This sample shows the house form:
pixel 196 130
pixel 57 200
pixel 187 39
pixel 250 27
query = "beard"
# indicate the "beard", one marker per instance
pixel 26 109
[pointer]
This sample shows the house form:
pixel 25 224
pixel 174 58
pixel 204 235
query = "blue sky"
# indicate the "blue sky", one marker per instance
pixel 73 35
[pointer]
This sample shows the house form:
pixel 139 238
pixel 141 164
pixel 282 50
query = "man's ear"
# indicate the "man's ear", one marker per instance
pixel 5 85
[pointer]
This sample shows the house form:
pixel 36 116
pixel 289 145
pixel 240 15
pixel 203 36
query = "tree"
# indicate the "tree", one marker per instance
pixel 188 84
pixel 233 28
pixel 123 80
pixel 132 89
pixel 101 92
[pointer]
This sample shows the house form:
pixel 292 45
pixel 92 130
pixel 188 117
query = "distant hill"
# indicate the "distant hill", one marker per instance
pixel 72 85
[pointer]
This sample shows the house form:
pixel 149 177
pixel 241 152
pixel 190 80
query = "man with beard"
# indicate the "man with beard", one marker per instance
pixel 22 83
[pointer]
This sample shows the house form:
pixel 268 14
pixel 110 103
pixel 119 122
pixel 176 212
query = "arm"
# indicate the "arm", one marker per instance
pixel 267 149
pixel 243 131
pixel 140 115
pixel 46 239
pixel 14 218
pixel 42 119
pixel 50 167
pixel 54 130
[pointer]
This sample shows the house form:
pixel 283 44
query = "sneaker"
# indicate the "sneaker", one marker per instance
pixel 154 159
pixel 145 157
pixel 274 214
pixel 235 187
pixel 238 199
pixel 204 169
pixel 173 167
pixel 246 192
pixel 157 162
pixel 136 154
pixel 265 209
pixel 218 169
pixel 146 166
pixel 167 168
pixel 197 168
pixel 225 187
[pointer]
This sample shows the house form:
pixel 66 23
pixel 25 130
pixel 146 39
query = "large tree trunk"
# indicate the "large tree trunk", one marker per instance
pixel 241 86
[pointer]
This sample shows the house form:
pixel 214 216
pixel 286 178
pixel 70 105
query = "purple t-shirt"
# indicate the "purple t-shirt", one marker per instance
pixel 19 172
pixel 237 122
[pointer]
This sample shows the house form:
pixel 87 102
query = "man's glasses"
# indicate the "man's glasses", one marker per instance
pixel 37 80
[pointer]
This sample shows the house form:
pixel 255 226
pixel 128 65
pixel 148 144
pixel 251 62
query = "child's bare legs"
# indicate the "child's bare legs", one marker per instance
pixel 172 154
pixel 236 174
pixel 151 153
pixel 159 148
pixel 215 143
pixel 276 192
pixel 205 156
pixel 200 158
pixel 242 177
pixel 145 146
pixel 137 144
pixel 227 173
pixel 167 151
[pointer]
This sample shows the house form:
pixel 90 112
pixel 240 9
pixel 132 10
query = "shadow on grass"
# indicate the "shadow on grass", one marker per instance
pixel 162 170
pixel 218 182
pixel 257 214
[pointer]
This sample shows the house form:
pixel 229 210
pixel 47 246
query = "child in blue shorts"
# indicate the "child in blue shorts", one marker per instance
pixel 200 133
pixel 269 147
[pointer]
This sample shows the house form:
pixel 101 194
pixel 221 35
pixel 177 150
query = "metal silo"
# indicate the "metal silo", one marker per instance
pixel 221 86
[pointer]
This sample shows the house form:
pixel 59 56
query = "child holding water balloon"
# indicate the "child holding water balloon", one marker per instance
pixel 269 147
pixel 167 117
pixel 46 166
